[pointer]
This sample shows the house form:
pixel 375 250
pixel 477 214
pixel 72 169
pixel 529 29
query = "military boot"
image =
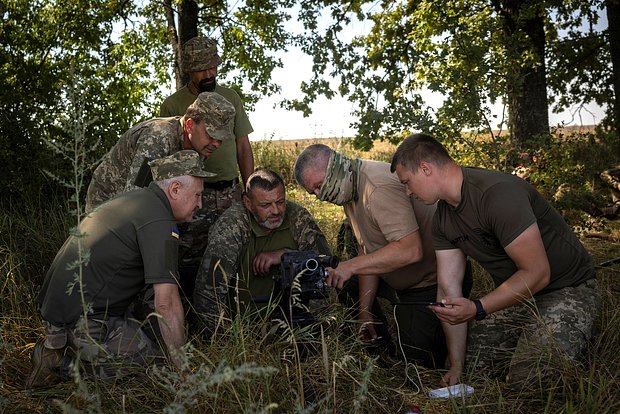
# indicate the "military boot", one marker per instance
pixel 45 366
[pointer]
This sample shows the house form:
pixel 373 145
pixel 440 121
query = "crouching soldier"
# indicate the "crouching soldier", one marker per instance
pixel 95 312
pixel 245 248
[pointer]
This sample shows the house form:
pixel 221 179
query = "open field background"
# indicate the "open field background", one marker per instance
pixel 241 371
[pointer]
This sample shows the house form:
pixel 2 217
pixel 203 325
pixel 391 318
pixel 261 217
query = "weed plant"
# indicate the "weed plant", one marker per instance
pixel 239 370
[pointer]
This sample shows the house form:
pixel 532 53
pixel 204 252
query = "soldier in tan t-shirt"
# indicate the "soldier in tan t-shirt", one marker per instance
pixel 396 258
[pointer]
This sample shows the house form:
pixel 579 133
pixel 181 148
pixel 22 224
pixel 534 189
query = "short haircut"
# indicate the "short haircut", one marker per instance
pixel 313 155
pixel 265 179
pixel 417 148
pixel 184 180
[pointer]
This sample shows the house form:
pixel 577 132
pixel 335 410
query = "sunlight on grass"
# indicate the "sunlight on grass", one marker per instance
pixel 240 370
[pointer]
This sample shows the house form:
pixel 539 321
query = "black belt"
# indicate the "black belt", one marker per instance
pixel 220 185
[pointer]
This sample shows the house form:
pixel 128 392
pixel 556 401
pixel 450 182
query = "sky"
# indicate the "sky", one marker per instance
pixel 332 118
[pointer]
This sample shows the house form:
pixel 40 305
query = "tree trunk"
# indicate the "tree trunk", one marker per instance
pixel 171 30
pixel 613 20
pixel 188 29
pixel 524 35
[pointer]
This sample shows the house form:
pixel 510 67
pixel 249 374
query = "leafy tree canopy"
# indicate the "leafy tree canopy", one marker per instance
pixel 121 53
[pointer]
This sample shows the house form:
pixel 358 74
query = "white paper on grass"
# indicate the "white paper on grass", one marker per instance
pixel 456 390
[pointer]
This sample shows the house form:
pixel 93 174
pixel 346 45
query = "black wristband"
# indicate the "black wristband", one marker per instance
pixel 480 312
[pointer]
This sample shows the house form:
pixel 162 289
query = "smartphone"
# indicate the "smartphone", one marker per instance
pixel 422 303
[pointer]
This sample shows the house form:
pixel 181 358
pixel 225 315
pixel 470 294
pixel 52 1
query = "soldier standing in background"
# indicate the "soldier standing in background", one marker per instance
pixel 201 59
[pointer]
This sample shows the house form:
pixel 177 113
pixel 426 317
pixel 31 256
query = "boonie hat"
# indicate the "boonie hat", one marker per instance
pixel 186 162
pixel 200 53
pixel 218 114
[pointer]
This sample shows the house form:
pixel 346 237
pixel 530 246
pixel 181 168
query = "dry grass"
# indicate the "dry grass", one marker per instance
pixel 239 371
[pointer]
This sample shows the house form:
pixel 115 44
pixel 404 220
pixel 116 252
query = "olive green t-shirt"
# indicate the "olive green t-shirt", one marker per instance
pixel 261 287
pixel 223 161
pixel 495 209
pixel 132 241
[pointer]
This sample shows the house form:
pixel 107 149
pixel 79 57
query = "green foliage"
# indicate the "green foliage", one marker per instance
pixel 241 371
pixel 453 47
pixel 44 46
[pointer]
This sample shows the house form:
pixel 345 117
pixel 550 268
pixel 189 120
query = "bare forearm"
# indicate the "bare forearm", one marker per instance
pixel 171 325
pixel 368 285
pixel 513 291
pixel 245 157
pixel 392 256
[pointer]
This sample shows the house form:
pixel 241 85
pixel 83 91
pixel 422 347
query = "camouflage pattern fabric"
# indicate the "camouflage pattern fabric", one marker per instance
pixel 526 340
pixel 114 346
pixel 217 114
pixel 223 256
pixel 340 183
pixel 186 162
pixel 200 53
pixel 119 168
pixel 194 234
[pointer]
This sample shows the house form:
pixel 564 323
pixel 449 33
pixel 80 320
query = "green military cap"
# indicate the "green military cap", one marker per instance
pixel 218 114
pixel 186 162
pixel 200 53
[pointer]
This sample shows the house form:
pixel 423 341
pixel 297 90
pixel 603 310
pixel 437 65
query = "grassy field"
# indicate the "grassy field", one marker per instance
pixel 241 370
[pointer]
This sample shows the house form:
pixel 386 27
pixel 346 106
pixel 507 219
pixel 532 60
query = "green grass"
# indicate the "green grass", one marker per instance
pixel 242 371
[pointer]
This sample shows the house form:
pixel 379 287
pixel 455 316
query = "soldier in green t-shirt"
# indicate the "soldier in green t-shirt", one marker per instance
pixel 546 298
pixel 245 247
pixel 99 312
pixel 200 60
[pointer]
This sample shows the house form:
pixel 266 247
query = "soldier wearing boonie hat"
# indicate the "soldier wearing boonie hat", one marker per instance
pixel 200 60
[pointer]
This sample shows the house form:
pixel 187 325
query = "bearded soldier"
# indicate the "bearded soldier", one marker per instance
pixel 245 248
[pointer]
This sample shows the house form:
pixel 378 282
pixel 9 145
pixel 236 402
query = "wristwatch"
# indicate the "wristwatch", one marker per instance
pixel 480 312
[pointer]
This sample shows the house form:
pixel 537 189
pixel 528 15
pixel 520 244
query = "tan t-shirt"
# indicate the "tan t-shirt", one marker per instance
pixel 383 213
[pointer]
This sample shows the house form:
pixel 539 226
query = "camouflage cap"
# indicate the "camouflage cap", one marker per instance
pixel 217 114
pixel 200 53
pixel 186 162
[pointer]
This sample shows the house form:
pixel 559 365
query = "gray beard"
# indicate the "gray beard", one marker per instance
pixel 267 225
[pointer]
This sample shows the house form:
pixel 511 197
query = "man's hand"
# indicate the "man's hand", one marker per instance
pixel 452 376
pixel 264 260
pixel 367 332
pixel 455 311
pixel 337 277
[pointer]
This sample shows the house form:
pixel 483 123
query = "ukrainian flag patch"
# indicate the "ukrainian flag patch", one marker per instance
pixel 175 233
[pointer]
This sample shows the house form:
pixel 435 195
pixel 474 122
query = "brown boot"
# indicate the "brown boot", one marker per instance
pixel 45 366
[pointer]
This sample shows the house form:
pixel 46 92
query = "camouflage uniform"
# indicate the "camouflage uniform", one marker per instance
pixel 152 139
pixel 529 334
pixel 119 168
pixel 221 263
pixel 194 234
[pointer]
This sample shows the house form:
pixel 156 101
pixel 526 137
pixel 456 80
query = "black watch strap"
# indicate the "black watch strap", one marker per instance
pixel 480 312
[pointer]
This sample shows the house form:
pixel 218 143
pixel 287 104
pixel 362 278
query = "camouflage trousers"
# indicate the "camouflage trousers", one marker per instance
pixel 194 234
pixel 108 348
pixel 532 340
